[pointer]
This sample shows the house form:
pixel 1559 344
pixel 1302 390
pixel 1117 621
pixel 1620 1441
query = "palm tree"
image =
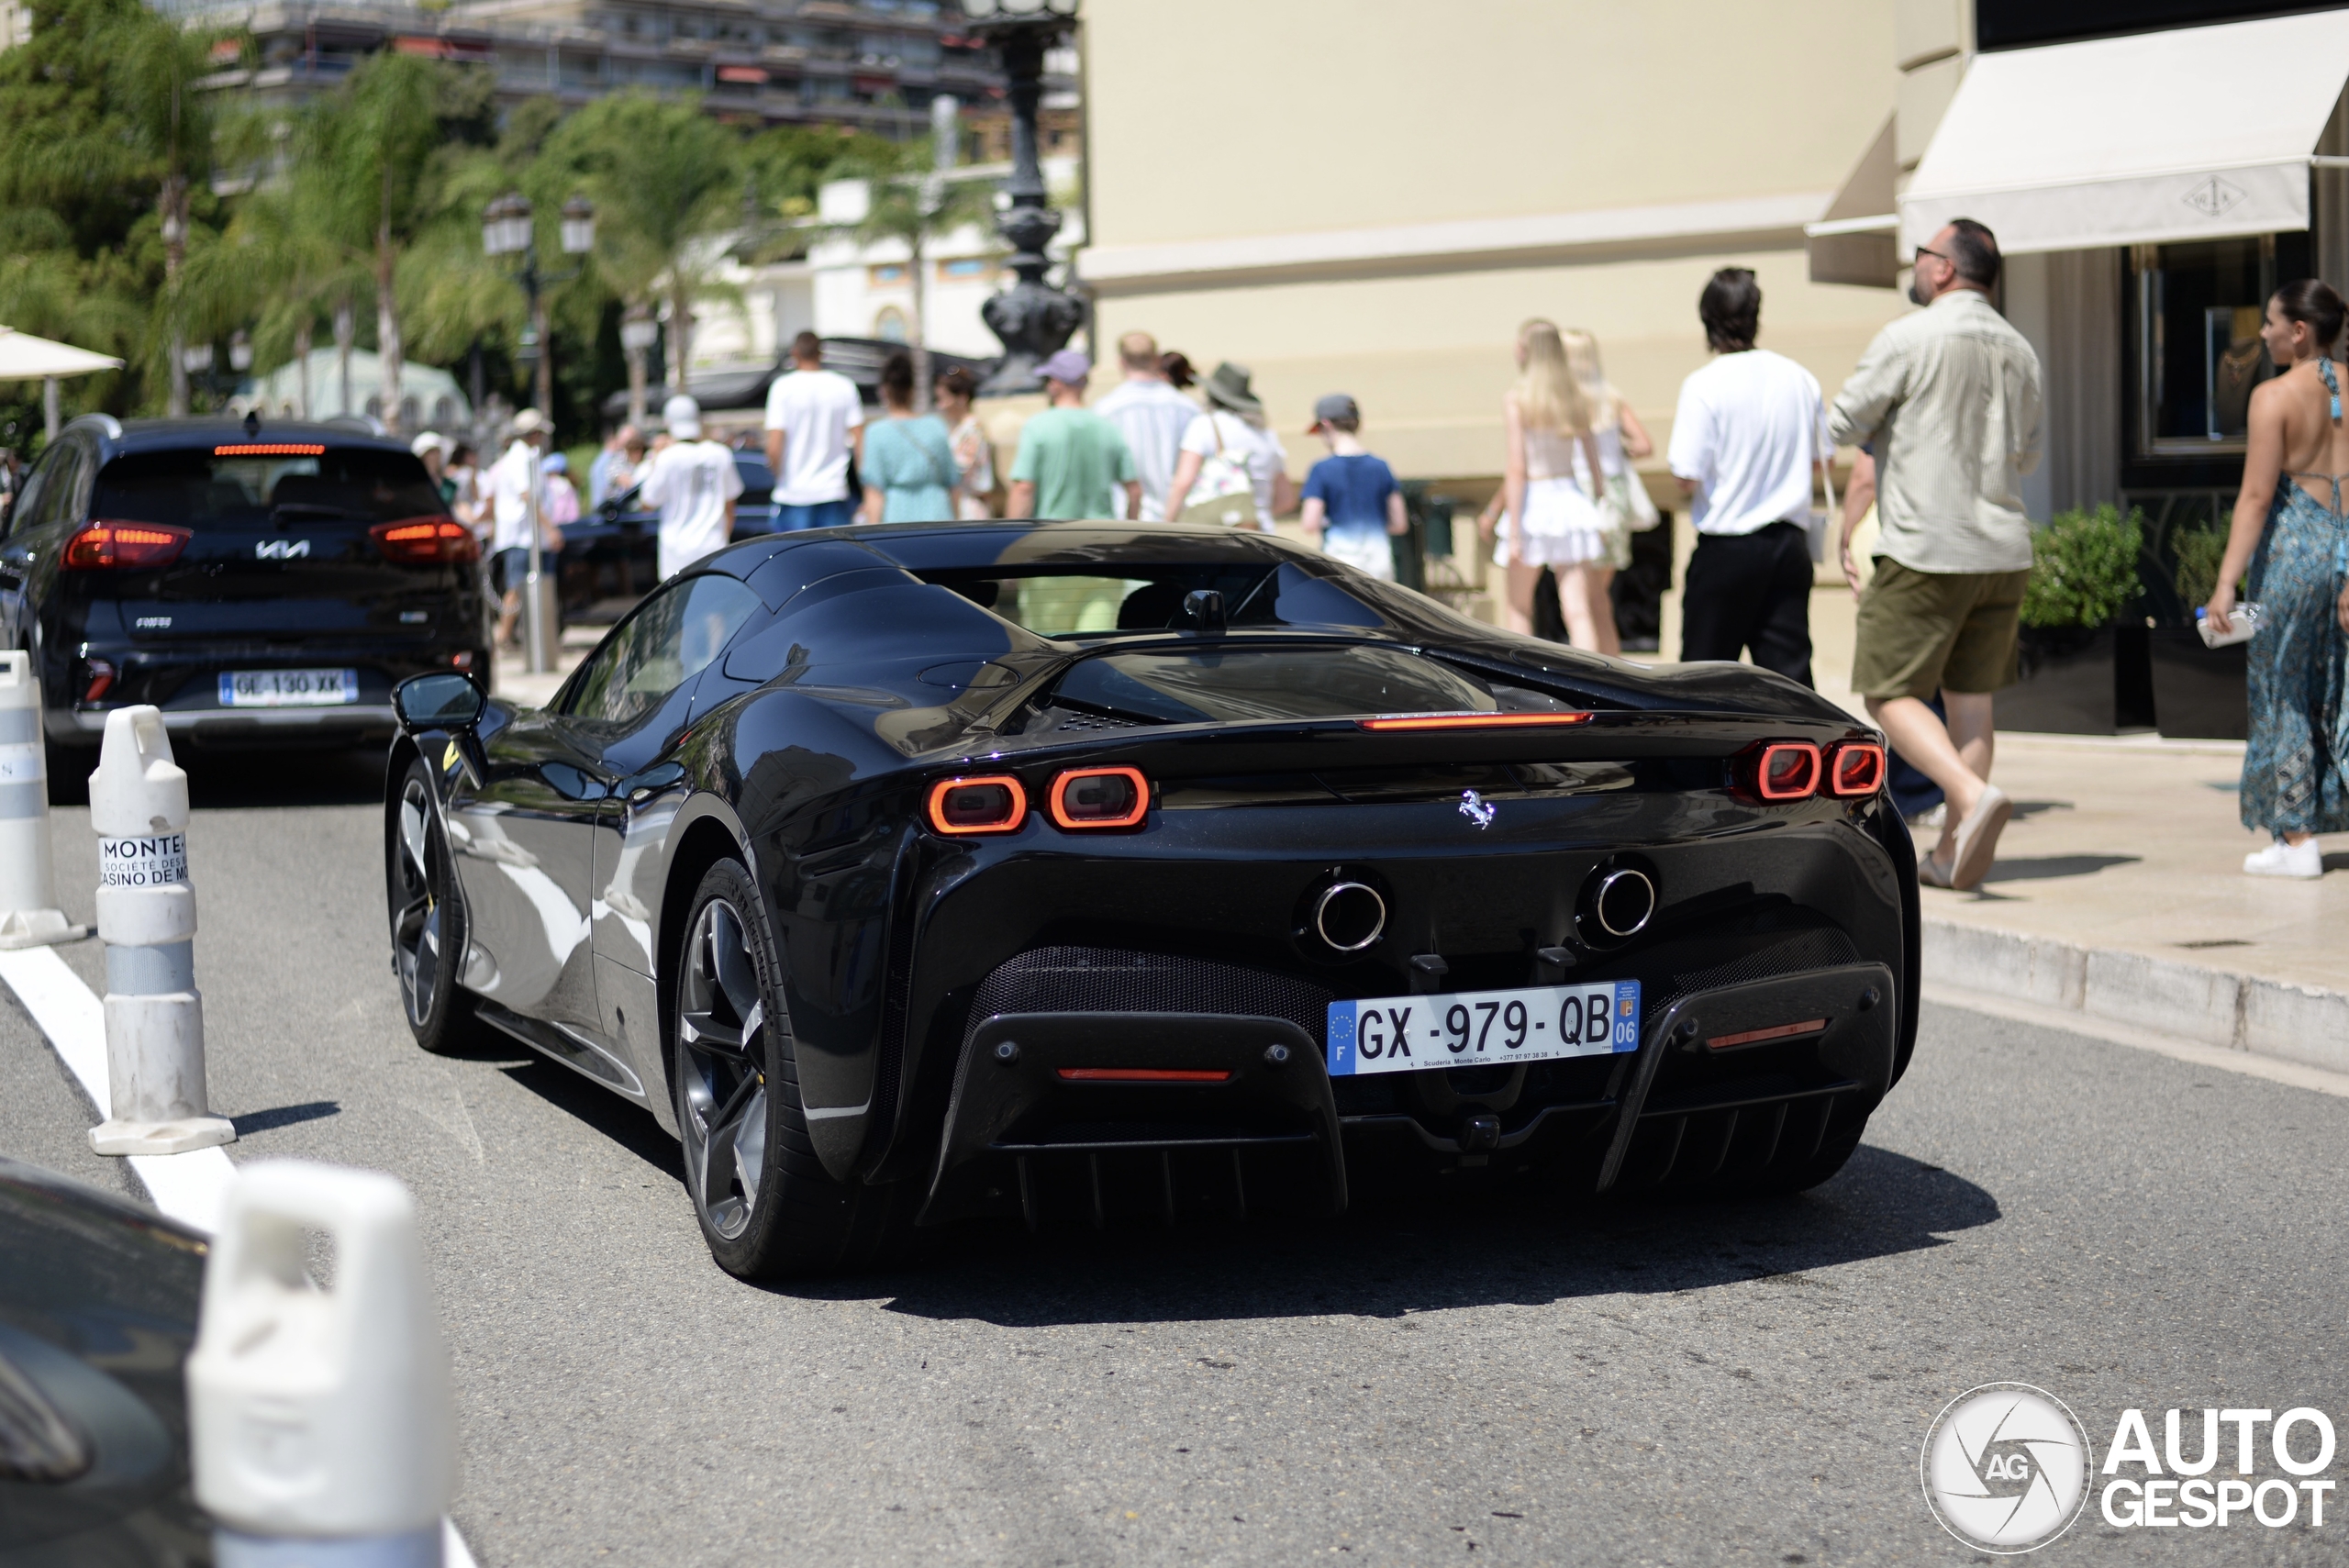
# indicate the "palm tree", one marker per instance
pixel 915 208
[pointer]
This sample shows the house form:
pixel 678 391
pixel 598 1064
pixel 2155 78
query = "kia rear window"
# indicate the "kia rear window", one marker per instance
pixel 203 488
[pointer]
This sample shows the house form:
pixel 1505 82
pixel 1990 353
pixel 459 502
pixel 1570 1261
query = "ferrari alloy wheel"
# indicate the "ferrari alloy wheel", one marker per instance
pixel 722 1077
pixel 767 1205
pixel 428 928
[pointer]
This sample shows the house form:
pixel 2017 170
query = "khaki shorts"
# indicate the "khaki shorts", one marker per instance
pixel 1922 631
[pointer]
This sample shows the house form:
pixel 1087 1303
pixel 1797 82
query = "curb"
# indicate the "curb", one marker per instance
pixel 2213 1006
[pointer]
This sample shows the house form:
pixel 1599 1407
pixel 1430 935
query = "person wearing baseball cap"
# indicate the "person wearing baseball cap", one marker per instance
pixel 514 486
pixel 1070 458
pixel 693 484
pixel 1353 506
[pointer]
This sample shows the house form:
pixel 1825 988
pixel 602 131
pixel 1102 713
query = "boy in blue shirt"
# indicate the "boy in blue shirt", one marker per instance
pixel 1352 502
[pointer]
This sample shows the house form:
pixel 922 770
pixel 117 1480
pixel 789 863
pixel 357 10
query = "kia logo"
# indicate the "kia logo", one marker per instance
pixel 280 549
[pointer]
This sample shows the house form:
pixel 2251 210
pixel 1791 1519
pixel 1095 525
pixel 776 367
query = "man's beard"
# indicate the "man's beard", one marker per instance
pixel 1914 297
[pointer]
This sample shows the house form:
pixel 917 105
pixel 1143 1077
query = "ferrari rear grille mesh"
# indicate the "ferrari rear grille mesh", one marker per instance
pixel 1096 721
pixel 1114 980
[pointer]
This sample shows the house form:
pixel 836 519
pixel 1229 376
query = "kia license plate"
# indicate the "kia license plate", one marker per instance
pixel 1474 1028
pixel 288 688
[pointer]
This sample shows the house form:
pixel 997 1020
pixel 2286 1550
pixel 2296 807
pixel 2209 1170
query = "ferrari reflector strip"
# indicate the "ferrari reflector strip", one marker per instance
pixel 270 449
pixel 1755 1037
pixel 1478 720
pixel 1142 1075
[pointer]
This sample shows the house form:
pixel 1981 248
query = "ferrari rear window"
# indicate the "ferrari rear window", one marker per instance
pixel 1065 602
pixel 1247 685
pixel 200 488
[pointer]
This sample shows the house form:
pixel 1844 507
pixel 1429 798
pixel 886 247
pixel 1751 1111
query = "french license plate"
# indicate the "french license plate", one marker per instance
pixel 1474 1028
pixel 288 688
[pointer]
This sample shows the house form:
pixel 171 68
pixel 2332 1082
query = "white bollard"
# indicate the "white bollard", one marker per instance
pixel 28 913
pixel 321 1423
pixel 147 919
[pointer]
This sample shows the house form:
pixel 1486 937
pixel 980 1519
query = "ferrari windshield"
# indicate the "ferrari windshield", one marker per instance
pixel 1248 684
pixel 1071 602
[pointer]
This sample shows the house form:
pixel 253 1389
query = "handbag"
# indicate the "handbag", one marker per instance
pixel 1228 491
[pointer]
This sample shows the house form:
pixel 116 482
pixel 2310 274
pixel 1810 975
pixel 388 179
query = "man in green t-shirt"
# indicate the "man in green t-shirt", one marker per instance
pixel 1069 457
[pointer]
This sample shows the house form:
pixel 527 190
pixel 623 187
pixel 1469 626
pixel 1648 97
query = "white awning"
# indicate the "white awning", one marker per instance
pixel 24 357
pixel 2190 134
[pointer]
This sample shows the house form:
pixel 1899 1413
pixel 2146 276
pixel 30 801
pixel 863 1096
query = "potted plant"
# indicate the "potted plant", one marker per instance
pixel 2199 692
pixel 2082 574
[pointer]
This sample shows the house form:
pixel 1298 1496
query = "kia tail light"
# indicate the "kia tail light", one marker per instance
pixel 1100 797
pixel 103 546
pixel 993 803
pixel 427 542
pixel 1854 769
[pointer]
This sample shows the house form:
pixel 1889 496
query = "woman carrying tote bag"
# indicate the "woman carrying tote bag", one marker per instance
pixel 1232 471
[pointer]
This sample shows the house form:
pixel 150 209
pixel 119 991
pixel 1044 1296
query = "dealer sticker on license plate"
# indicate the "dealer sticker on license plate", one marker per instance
pixel 288 688
pixel 1474 1028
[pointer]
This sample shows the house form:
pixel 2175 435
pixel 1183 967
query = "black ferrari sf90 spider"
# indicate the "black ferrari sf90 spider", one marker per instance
pixel 1071 871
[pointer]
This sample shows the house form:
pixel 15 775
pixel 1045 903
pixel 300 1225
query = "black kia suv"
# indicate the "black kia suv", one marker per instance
pixel 262 583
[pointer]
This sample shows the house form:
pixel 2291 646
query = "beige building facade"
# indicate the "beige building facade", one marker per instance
pixel 1369 196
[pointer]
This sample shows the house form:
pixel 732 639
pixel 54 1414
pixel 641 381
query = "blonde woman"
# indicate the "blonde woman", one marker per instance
pixel 1550 521
pixel 1623 501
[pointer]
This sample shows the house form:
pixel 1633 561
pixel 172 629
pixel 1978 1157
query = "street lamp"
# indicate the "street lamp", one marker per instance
pixel 1033 318
pixel 639 332
pixel 506 230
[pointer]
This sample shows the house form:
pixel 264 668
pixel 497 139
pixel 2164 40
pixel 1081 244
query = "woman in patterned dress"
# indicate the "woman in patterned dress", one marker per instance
pixel 2290 535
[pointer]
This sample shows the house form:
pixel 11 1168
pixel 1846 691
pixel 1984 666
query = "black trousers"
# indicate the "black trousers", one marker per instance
pixel 1750 591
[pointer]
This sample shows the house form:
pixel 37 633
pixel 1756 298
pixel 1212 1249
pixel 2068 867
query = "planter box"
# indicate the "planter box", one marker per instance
pixel 2068 683
pixel 2199 692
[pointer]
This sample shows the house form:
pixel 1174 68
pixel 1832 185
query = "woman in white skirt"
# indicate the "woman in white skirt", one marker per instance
pixel 1551 524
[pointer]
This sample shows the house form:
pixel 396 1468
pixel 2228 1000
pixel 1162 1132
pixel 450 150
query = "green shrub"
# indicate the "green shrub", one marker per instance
pixel 2201 552
pixel 2082 568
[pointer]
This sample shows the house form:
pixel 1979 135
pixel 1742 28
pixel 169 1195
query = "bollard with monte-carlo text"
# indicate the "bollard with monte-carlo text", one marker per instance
pixel 322 1429
pixel 28 913
pixel 147 919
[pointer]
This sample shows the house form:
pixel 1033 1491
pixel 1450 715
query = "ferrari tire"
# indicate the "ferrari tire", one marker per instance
pixel 429 936
pixel 766 1205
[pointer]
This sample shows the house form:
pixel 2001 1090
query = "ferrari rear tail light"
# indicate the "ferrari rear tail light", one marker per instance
pixel 425 541
pixel 991 804
pixel 1854 769
pixel 1784 770
pixel 103 547
pixel 1477 721
pixel 1100 797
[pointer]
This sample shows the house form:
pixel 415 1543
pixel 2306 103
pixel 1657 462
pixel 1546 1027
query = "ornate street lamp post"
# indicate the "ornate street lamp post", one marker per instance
pixel 1033 318
pixel 506 230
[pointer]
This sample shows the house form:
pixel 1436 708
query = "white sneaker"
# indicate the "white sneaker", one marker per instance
pixel 2279 859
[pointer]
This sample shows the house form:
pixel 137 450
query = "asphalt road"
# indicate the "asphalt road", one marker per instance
pixel 1491 1379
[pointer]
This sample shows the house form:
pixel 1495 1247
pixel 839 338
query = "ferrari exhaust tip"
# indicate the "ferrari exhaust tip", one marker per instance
pixel 1350 916
pixel 1622 902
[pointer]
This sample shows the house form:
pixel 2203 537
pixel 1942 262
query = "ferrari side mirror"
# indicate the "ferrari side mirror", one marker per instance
pixel 443 700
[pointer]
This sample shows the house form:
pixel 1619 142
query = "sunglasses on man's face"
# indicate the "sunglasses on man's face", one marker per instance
pixel 1923 251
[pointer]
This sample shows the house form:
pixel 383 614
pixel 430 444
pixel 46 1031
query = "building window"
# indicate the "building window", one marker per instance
pixel 2196 327
pixel 887 274
pixel 964 269
pixel 890 325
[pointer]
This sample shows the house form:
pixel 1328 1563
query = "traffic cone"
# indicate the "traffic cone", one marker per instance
pixel 321 1426
pixel 147 919
pixel 28 913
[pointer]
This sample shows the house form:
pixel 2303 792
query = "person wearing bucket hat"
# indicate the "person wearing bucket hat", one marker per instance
pixel 693 484
pixel 1069 456
pixel 1228 456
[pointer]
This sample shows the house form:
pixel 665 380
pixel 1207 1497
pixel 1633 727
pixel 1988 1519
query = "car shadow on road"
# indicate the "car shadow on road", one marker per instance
pixel 1469 1250
pixel 218 780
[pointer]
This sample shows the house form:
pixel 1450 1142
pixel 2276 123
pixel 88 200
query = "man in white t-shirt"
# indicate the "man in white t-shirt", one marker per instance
pixel 815 423
pixel 1750 433
pixel 1153 415
pixel 512 482
pixel 693 484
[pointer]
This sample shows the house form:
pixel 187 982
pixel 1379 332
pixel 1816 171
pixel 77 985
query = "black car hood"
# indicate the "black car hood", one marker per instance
pixel 98 1301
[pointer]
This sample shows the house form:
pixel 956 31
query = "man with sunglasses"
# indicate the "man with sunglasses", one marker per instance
pixel 1948 398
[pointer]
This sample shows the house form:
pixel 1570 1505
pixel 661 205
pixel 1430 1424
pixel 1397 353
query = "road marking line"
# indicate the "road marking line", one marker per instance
pixel 188 1187
pixel 2293 1074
